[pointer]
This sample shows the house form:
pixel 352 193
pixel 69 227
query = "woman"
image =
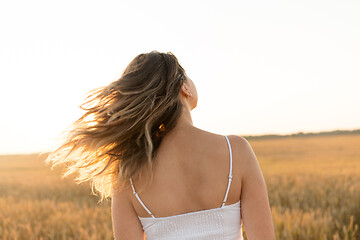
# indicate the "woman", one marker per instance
pixel 166 178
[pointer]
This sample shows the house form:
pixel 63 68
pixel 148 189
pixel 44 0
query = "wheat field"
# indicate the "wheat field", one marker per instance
pixel 313 184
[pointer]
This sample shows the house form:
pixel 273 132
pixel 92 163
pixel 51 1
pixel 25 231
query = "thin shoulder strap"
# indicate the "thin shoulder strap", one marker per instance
pixel 138 198
pixel 230 173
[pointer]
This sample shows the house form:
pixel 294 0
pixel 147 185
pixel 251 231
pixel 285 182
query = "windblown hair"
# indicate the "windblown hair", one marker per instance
pixel 118 135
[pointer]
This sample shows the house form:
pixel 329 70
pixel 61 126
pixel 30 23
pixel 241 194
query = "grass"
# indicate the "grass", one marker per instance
pixel 313 184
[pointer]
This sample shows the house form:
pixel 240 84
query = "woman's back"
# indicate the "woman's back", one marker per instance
pixel 191 174
pixel 191 181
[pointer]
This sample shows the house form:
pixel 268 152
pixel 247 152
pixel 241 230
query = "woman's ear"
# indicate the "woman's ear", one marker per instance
pixel 185 89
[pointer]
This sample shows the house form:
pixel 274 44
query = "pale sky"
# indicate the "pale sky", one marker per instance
pixel 260 67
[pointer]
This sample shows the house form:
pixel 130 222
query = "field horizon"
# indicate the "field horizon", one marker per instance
pixel 313 184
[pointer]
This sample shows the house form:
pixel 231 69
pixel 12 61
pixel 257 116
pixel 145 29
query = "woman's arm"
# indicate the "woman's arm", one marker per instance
pixel 126 224
pixel 255 207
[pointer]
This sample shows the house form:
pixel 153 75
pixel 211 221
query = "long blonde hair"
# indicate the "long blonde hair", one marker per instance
pixel 123 125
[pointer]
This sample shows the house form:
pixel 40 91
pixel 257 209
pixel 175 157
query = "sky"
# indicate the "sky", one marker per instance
pixel 260 67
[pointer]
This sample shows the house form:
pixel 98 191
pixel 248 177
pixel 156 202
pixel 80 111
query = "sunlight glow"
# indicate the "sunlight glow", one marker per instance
pixel 259 67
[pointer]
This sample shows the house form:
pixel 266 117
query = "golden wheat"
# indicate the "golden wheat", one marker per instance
pixel 313 184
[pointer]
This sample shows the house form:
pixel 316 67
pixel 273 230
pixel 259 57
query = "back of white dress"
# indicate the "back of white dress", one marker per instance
pixel 222 223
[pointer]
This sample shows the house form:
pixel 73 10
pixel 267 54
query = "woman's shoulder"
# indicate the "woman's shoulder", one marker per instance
pixel 237 142
pixel 242 152
pixel 239 145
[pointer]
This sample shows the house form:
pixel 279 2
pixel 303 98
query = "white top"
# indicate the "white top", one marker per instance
pixel 222 223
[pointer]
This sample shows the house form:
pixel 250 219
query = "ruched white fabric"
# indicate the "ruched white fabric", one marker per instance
pixel 222 223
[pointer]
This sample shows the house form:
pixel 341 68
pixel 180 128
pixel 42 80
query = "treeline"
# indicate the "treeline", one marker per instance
pixel 302 134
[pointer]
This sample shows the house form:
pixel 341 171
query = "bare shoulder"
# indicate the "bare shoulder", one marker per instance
pixel 122 192
pixel 121 198
pixel 126 224
pixel 240 146
pixel 243 154
pixel 239 141
pixel 255 207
